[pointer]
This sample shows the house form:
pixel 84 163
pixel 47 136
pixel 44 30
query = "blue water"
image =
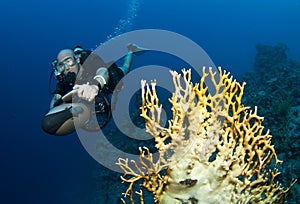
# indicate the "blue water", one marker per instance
pixel 38 168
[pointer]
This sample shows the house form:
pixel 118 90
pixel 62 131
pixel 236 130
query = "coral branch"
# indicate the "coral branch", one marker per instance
pixel 215 150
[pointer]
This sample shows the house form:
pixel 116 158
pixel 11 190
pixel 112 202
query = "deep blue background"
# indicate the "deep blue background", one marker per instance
pixel 38 168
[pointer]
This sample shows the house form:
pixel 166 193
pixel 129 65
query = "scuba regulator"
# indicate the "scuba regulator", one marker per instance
pixel 65 81
pixel 58 68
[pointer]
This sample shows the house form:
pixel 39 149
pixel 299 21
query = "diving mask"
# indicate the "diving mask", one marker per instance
pixel 64 64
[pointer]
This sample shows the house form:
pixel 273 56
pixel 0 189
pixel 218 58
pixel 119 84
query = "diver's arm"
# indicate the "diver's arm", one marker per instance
pixel 101 78
pixel 91 89
pixel 86 92
pixel 54 100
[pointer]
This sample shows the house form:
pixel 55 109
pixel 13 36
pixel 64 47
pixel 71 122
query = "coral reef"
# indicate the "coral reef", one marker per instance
pixel 275 90
pixel 269 57
pixel 214 150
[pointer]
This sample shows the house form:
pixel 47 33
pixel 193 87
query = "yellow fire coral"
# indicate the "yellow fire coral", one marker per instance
pixel 214 150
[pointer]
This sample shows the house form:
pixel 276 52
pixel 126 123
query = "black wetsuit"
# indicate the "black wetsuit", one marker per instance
pixel 52 122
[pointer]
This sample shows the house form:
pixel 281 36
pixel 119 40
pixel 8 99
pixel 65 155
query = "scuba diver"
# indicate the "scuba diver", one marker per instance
pixel 84 82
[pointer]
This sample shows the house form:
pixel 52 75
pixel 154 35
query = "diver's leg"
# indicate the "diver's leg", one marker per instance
pixel 132 49
pixel 64 119
pixel 136 49
pixel 127 63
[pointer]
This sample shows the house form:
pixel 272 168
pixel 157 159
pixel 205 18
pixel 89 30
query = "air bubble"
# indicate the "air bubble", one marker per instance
pixel 125 25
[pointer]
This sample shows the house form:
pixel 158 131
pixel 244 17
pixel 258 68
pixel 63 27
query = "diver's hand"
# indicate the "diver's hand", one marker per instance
pixel 86 91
